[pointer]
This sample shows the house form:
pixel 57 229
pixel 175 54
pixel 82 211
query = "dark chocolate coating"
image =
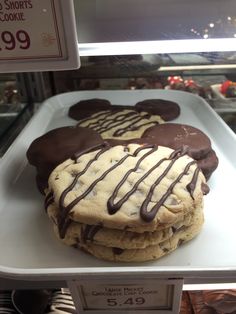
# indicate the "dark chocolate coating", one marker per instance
pixel 54 147
pixel 208 164
pixel 85 108
pixel 167 109
pixel 41 182
pixel 175 135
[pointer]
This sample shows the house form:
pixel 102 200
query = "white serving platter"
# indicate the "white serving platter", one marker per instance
pixel 30 251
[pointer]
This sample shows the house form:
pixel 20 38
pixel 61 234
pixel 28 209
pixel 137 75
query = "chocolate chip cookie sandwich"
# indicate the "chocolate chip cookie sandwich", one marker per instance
pixel 128 202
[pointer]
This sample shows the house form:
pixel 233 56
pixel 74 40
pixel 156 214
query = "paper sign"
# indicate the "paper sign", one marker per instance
pixel 34 31
pixel 120 296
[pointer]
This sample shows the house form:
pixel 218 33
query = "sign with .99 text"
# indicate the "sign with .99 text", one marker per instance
pixel 34 35
pixel 132 295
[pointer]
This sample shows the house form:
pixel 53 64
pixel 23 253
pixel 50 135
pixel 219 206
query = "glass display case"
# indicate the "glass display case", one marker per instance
pixel 136 45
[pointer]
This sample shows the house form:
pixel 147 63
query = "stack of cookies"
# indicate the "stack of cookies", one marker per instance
pixel 124 185
pixel 128 202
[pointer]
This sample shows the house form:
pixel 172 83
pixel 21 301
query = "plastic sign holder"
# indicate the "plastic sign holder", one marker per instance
pixel 126 294
pixel 38 35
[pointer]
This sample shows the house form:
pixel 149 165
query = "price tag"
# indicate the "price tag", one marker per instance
pixel 146 295
pixel 37 35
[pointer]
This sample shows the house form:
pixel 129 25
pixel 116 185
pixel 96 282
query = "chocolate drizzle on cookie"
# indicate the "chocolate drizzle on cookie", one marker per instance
pixel 100 123
pixel 63 220
pixel 146 214
pixel 96 116
pixel 111 206
pixel 77 155
pixel 90 188
pixel 191 186
pixel 106 123
pixel 150 215
pixel 114 123
pixel 132 127
pixel 88 232
pixel 48 200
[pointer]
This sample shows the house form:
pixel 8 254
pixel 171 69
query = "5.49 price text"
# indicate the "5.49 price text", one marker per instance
pixel 127 302
pixel 10 41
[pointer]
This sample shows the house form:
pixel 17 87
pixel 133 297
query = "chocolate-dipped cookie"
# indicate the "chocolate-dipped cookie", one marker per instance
pixel 175 135
pixel 168 110
pixel 57 145
pixel 85 108
pixel 208 164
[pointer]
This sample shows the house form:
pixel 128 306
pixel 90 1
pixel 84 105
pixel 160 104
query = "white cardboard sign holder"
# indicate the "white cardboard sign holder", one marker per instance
pixel 126 294
pixel 38 35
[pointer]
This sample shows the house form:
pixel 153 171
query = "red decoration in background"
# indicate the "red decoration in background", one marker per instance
pixel 190 83
pixel 224 86
pixel 174 80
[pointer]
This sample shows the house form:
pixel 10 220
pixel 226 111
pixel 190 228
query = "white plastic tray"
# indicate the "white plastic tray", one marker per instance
pixel 30 251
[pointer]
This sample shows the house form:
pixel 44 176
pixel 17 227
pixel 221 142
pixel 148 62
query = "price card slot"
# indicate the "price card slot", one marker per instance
pixel 37 35
pixel 127 295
